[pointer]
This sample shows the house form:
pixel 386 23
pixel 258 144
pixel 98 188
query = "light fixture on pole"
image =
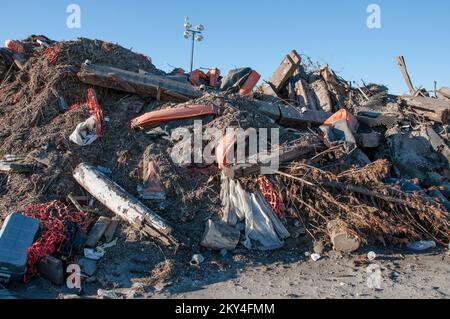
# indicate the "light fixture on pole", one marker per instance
pixel 196 35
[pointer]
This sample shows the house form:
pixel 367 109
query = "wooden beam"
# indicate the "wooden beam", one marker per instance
pixel 285 70
pixel 145 85
pixel 304 147
pixel 123 204
pixel 402 64
pixel 432 109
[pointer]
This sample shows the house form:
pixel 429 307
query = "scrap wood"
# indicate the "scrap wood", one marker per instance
pixel 17 167
pixel 432 109
pixel 123 204
pixel 402 64
pixel 285 70
pixel 145 85
pixel 284 154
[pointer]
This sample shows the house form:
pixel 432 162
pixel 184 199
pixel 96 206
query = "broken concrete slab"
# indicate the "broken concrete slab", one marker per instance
pixel 368 140
pixel 438 143
pixel 291 116
pixel 413 156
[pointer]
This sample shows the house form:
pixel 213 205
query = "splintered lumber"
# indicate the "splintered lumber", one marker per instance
pixel 285 70
pixel 123 204
pixel 145 85
pixel 432 109
pixel 341 237
pixel 219 235
pixel 255 163
pixel 402 64
pixel 16 167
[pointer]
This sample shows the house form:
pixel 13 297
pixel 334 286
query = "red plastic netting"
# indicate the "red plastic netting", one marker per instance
pixel 52 53
pixel 272 196
pixel 52 217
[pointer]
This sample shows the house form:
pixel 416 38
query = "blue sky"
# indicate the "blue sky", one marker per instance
pixel 259 33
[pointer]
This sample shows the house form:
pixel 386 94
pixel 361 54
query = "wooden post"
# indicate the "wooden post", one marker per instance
pixel 402 64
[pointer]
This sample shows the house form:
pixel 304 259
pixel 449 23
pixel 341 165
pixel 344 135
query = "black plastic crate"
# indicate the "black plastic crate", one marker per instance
pixel 16 236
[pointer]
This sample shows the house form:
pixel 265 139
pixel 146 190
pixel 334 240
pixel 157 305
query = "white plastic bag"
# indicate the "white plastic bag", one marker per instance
pixel 84 133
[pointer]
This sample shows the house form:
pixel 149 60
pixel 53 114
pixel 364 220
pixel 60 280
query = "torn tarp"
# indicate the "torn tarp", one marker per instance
pixel 263 229
pixel 85 133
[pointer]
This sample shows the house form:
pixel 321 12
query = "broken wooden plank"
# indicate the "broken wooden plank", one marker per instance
pixel 304 147
pixel 285 70
pixel 122 203
pixel 402 64
pixel 16 167
pixel 432 109
pixel 145 85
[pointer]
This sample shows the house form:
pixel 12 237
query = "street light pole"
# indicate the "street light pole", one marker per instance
pixel 196 34
pixel 192 53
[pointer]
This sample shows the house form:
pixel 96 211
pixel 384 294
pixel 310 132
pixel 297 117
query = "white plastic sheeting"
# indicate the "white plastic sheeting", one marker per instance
pixel 263 229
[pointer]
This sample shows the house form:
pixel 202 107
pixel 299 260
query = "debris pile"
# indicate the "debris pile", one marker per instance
pixel 94 131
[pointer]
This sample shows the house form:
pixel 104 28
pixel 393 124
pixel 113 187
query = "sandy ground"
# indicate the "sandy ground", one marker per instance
pixel 286 273
pixel 424 276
